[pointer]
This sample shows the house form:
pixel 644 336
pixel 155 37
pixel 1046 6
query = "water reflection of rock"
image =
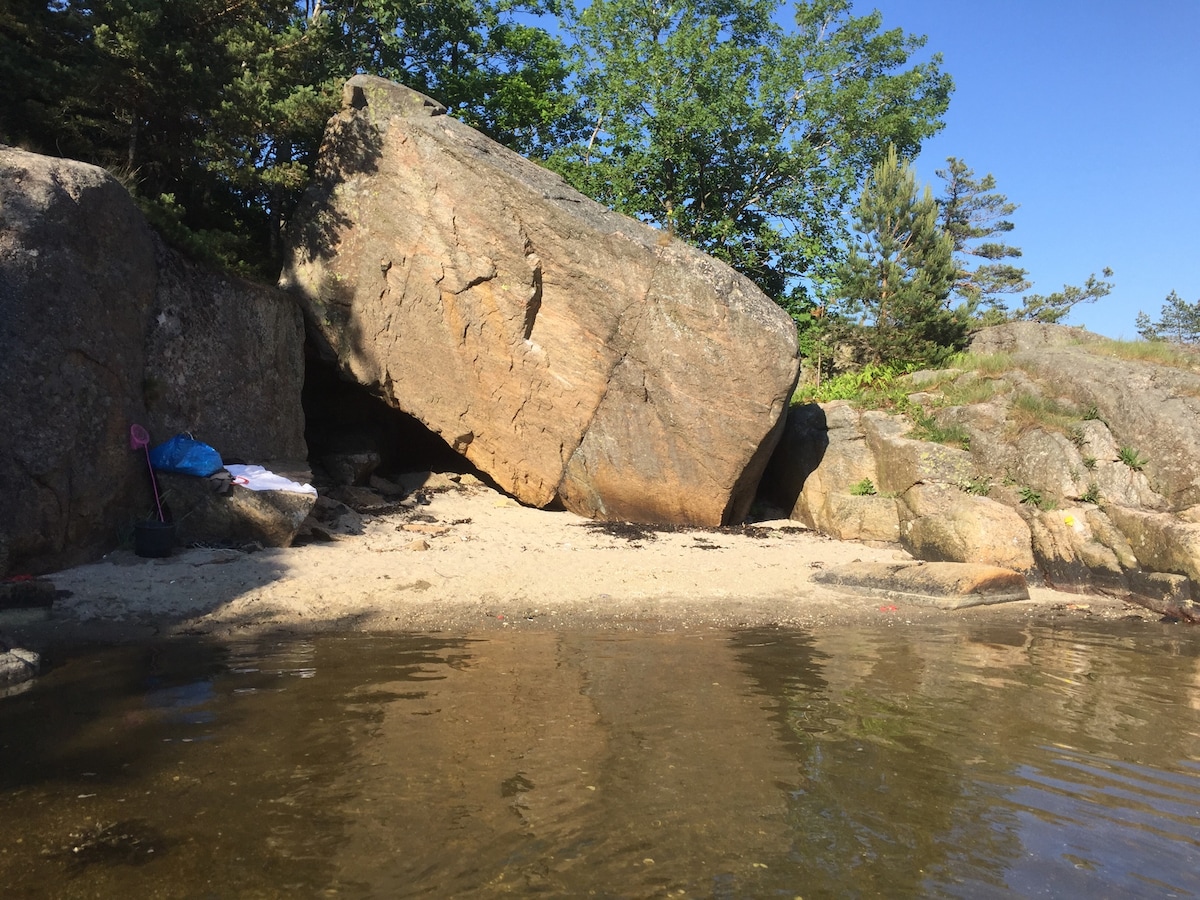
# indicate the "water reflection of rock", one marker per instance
pixel 883 784
pixel 956 761
pixel 622 760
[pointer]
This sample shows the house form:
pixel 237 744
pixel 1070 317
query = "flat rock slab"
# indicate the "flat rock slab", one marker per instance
pixel 17 666
pixel 946 585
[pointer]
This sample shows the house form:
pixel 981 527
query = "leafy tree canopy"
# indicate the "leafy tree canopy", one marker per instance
pixel 744 138
pixel 491 70
pixel 212 111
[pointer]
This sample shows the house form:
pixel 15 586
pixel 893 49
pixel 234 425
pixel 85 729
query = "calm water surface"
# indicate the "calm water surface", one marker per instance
pixel 955 761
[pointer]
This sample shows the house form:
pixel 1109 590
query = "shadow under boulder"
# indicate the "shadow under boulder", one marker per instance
pixel 353 435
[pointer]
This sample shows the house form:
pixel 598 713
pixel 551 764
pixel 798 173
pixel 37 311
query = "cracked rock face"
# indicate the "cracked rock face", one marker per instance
pixel 572 354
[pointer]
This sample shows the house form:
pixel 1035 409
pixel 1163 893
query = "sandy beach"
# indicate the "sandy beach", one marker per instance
pixel 469 558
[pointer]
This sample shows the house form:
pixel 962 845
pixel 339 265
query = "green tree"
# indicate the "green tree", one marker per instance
pixel 40 45
pixel 481 58
pixel 747 140
pixel 212 111
pixel 204 108
pixel 899 272
pixel 1179 321
pixel 973 213
pixel 1054 307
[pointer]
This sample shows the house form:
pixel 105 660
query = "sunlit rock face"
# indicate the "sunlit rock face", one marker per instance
pixel 574 355
pixel 1060 459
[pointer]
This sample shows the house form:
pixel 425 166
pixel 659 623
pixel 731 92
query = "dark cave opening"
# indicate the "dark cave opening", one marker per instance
pixel 344 418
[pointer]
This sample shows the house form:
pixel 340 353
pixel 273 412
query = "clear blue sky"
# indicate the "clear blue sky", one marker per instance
pixel 1087 112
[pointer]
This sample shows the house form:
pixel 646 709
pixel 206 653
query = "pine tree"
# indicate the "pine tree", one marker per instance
pixel 1053 308
pixel 899 271
pixel 972 211
pixel 1179 322
pixel 212 111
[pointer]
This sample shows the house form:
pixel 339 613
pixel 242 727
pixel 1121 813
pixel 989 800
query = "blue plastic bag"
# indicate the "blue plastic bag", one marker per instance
pixel 187 456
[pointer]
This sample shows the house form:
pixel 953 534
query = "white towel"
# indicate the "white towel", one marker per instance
pixel 256 478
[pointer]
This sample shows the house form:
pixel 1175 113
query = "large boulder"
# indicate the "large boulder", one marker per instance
pixel 102 327
pixel 77 278
pixel 942 523
pixel 17 666
pixel 574 355
pixel 234 514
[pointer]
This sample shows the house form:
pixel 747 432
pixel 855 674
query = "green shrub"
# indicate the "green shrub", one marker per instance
pixel 976 486
pixel 1089 462
pixel 1132 458
pixel 864 488
pixel 1091 495
pixel 1036 498
pixel 872 386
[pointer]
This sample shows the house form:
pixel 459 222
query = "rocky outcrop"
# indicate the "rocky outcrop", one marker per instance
pixel 101 327
pixel 833 492
pixel 904 462
pixel 940 522
pixel 1015 337
pixel 1062 476
pixel 77 279
pixel 1155 411
pixel 573 355
pixel 1160 542
pixel 225 362
pixel 863 477
pixel 1078 546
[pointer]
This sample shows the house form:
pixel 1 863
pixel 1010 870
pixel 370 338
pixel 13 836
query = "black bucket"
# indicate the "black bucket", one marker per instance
pixel 153 539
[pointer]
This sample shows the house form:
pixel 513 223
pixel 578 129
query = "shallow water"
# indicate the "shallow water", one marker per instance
pixel 943 761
